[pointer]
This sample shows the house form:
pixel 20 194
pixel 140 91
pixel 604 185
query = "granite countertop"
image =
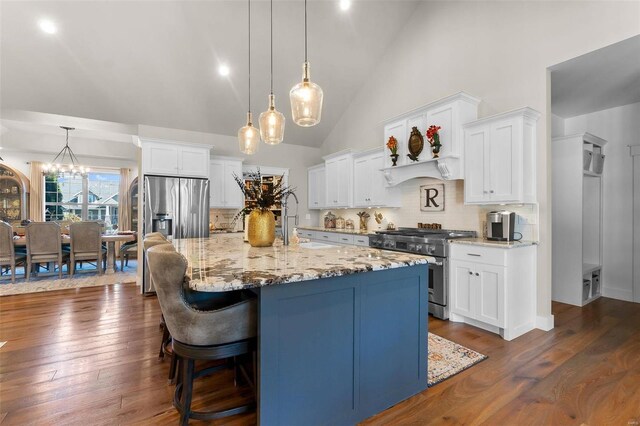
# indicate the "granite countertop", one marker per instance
pixel 224 262
pixel 339 231
pixel 489 243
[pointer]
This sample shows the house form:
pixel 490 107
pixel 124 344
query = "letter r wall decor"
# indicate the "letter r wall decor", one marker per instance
pixel 432 198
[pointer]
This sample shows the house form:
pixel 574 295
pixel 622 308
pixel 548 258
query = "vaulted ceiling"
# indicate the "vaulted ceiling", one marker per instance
pixel 156 62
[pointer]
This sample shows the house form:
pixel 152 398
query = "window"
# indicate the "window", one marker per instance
pixel 93 197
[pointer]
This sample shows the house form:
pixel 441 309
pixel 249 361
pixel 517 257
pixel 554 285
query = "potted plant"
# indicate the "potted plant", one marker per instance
pixel 262 222
pixel 434 140
pixel 392 144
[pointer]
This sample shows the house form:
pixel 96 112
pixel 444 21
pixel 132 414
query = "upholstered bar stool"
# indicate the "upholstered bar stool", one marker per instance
pixel 225 332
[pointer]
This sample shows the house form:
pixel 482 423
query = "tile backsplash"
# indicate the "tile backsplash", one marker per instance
pixel 456 214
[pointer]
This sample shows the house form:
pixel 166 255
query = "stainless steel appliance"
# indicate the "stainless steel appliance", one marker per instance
pixel 431 242
pixel 176 207
pixel 501 225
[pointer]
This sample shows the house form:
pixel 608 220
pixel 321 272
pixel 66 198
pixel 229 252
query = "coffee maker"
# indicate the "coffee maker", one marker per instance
pixel 501 225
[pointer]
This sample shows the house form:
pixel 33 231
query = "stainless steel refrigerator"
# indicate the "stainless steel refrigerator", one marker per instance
pixel 176 207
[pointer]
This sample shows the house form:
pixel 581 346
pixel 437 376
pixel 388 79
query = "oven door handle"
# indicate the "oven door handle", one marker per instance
pixel 436 263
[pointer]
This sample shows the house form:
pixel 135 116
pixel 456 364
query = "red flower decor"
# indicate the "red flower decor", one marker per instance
pixel 432 131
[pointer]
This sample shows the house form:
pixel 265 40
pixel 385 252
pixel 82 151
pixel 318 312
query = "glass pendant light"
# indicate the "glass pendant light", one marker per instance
pixel 306 96
pixel 272 121
pixel 248 136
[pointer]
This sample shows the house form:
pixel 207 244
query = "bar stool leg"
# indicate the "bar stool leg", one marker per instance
pixel 188 365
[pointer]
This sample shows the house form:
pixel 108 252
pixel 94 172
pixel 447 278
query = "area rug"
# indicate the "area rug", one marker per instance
pixel 50 284
pixel 446 359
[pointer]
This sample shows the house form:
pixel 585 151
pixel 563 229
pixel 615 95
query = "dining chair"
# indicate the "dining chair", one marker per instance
pixel 44 244
pixel 8 255
pixel 86 244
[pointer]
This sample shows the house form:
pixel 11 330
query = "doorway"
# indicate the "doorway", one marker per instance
pixel 595 103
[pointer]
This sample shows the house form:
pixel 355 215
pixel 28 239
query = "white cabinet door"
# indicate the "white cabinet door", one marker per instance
pixel 321 178
pixel 345 183
pixel 193 161
pixel 233 197
pixel 489 283
pixel 461 286
pixel 160 159
pixel 362 182
pixel 332 183
pixel 312 189
pixel 317 188
pixel 216 184
pixel 503 165
pixel 476 173
pixel 378 195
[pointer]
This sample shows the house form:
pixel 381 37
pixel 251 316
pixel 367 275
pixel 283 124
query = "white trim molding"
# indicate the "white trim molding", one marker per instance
pixel 545 323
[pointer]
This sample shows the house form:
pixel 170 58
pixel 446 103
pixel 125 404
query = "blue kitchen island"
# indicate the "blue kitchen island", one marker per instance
pixel 342 329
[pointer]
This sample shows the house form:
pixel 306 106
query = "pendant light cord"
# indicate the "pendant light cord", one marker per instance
pixel 249 2
pixel 305 31
pixel 272 47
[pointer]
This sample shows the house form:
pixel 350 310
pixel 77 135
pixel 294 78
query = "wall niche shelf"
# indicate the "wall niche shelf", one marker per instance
pixel 450 113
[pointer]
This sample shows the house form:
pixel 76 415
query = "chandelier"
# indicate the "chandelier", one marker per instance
pixel 60 164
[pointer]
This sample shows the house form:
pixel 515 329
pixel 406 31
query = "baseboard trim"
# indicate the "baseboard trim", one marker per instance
pixel 544 323
pixel 617 293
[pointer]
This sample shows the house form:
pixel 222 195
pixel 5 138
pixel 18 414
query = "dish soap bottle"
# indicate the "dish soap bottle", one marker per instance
pixel 295 239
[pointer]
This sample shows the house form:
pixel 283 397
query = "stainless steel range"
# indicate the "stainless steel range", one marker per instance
pixel 430 242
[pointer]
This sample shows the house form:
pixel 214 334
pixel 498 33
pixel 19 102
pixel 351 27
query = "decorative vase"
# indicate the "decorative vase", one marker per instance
pixel 262 228
pixel 394 159
pixel 436 151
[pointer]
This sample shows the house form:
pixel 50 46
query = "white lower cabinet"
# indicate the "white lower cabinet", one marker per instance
pixel 335 237
pixel 493 288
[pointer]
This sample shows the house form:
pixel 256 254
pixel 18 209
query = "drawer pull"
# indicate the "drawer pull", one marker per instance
pixel 477 274
pixel 473 254
pixel 345 239
pixel 470 273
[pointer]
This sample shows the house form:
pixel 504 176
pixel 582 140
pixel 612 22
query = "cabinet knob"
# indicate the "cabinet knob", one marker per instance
pixel 491 191
pixel 470 273
pixel 477 274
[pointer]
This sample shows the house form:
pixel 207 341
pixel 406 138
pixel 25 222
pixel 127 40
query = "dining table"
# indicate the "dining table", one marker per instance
pixel 109 239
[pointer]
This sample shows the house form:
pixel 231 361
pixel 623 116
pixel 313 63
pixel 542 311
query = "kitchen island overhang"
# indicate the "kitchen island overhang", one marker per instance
pixel 342 331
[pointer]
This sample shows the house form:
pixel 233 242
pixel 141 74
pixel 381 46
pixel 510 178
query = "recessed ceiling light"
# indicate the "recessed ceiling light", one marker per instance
pixel 47 26
pixel 224 70
pixel 345 4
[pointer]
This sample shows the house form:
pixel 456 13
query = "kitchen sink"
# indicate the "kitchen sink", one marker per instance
pixel 315 245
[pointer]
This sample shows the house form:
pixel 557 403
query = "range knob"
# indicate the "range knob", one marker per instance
pixel 389 244
pixel 431 249
pixel 411 247
pixel 418 247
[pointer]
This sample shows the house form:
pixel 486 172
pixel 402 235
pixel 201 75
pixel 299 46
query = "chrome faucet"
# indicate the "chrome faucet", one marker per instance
pixel 285 217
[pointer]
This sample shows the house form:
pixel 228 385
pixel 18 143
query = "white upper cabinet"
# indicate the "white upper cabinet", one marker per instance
pixel 317 192
pixel 450 114
pixel 339 179
pixel 167 158
pixel 500 158
pixel 224 192
pixel 369 189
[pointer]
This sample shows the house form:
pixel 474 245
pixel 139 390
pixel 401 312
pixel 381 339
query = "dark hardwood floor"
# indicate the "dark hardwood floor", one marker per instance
pixel 89 356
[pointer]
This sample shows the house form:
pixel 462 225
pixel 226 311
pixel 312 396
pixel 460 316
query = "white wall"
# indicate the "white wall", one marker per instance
pixel 498 51
pixel 294 157
pixel 620 127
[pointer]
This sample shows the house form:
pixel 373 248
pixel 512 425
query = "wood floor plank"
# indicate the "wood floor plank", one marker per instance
pixel 89 356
